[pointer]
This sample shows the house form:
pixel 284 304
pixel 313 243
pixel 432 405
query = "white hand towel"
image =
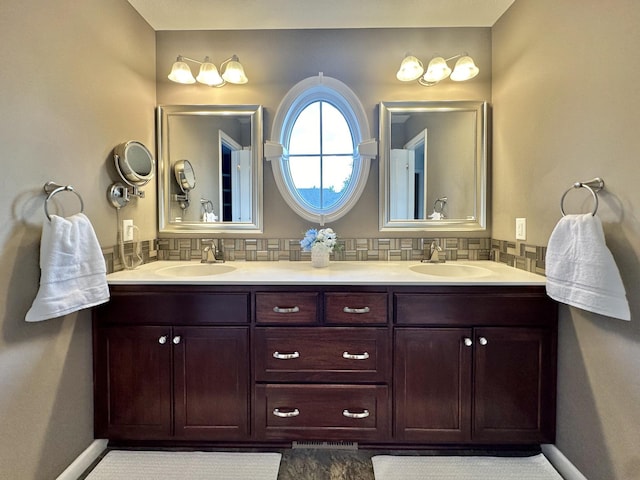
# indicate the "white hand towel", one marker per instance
pixel 73 274
pixel 580 269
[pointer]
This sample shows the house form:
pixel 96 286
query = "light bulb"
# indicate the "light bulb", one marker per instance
pixel 181 73
pixel 209 74
pixel 234 73
pixel 465 69
pixel 410 69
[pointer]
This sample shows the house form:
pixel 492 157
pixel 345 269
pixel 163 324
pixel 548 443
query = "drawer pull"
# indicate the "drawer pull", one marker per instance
pixel 349 414
pixel 467 342
pixel 293 413
pixel 295 309
pixel 286 356
pixel 176 340
pixel 483 341
pixel 355 356
pixel 356 310
pixel 162 340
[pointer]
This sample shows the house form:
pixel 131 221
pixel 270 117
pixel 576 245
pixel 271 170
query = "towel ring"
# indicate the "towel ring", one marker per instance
pixel 52 188
pixel 594 186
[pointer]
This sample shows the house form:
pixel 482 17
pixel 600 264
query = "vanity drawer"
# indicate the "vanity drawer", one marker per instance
pixel 174 307
pixel 355 308
pixel 322 354
pixel 474 309
pixel 287 307
pixel 327 412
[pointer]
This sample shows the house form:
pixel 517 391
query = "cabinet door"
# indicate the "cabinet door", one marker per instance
pixel 432 389
pixel 514 385
pixel 133 382
pixel 211 382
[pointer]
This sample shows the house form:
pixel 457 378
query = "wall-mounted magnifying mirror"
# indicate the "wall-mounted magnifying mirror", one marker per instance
pixel 186 178
pixel 223 144
pixel 136 167
pixel 433 166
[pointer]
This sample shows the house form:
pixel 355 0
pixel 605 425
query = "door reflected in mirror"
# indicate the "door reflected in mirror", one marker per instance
pixel 223 144
pixel 433 170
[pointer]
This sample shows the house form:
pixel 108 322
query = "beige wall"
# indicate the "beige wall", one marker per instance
pixel 77 78
pixel 365 60
pixel 566 108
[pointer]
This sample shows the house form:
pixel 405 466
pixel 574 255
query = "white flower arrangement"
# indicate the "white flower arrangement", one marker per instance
pixel 323 239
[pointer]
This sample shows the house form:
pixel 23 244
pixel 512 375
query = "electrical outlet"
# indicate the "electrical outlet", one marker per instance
pixel 521 228
pixel 127 230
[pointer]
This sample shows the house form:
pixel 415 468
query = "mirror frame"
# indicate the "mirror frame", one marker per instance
pixel 478 222
pixel 165 170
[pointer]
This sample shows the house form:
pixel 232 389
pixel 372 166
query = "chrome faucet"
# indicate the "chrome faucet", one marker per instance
pixel 435 254
pixel 210 252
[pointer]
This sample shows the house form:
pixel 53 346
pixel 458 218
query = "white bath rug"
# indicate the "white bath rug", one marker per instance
pixel 392 467
pixel 137 465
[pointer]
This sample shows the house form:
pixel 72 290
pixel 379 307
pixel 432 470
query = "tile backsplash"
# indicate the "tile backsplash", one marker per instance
pixel 350 249
pixel 519 255
pixel 516 254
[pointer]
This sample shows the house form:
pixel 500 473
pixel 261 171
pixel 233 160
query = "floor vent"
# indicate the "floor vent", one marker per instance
pixel 326 445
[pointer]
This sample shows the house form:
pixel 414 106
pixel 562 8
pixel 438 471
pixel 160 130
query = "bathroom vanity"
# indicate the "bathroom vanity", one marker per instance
pixel 371 352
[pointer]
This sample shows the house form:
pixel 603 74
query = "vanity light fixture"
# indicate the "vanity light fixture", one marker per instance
pixel 208 74
pixel 412 69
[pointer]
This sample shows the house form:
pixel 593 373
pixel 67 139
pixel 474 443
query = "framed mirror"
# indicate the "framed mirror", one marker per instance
pixel 221 146
pixel 433 166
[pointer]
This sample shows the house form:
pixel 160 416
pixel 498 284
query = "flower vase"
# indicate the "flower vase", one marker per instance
pixel 319 257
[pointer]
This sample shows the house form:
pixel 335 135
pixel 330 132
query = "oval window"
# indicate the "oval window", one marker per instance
pixel 320 155
pixel 320 124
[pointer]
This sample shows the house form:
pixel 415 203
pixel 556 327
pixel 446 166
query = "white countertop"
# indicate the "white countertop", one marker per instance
pixel 337 273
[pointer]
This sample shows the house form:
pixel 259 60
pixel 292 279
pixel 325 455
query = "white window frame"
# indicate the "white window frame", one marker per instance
pixel 310 90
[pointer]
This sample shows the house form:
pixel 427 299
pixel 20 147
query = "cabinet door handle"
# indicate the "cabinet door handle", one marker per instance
pixel 292 413
pixel 349 414
pixel 483 341
pixel 176 340
pixel 355 356
pixel 286 356
pixel 295 309
pixel 356 310
pixel 467 342
pixel 162 340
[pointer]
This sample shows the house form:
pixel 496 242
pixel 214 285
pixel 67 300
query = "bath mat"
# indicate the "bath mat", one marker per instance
pixel 147 465
pixel 390 467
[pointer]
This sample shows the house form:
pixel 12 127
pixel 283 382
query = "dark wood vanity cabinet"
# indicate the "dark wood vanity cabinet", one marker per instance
pixel 401 365
pixel 180 377
pixel 491 381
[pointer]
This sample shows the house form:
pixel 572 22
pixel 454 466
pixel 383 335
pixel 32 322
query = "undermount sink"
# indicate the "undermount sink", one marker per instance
pixel 196 270
pixel 450 270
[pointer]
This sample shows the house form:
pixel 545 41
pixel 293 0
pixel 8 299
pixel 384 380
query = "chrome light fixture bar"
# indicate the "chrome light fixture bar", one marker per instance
pixel 412 69
pixel 208 74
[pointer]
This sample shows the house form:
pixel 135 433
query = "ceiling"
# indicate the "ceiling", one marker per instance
pixel 317 14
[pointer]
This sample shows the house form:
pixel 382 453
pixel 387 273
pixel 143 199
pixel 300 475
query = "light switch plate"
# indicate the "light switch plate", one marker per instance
pixel 127 230
pixel 521 228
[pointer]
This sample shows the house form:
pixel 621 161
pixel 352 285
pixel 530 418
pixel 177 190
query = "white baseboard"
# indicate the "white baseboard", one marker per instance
pixel 561 463
pixel 84 460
